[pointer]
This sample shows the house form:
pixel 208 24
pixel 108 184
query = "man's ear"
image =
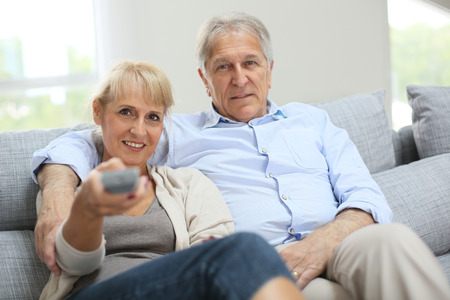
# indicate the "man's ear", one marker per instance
pixel 270 74
pixel 96 109
pixel 205 81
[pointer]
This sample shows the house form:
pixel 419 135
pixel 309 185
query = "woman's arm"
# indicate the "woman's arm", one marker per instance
pixel 81 235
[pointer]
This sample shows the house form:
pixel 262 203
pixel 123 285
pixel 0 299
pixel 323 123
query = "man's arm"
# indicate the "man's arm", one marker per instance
pixel 309 258
pixel 57 183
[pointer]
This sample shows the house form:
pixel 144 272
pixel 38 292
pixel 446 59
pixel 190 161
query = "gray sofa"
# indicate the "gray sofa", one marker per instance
pixel 412 167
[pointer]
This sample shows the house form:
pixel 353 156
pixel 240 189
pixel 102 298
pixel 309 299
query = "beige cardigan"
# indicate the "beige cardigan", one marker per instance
pixel 193 204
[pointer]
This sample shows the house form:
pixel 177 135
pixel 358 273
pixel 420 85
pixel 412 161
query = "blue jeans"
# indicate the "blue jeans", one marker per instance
pixel 234 267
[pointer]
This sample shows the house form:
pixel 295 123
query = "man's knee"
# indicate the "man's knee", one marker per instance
pixel 382 235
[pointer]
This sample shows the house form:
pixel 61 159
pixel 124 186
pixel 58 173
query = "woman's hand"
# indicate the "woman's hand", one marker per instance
pixel 84 227
pixel 95 202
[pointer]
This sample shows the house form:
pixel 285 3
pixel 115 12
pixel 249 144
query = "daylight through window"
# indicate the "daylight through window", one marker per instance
pixel 47 62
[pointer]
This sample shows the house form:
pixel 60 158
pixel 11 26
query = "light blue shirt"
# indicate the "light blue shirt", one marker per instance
pixel 282 175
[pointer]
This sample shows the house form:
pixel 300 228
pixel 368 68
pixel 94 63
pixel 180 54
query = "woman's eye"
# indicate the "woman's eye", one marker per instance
pixel 125 112
pixel 153 117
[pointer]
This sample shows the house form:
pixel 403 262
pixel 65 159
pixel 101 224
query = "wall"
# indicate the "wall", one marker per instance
pixel 324 49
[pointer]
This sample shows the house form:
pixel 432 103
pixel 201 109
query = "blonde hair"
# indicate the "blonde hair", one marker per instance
pixel 128 78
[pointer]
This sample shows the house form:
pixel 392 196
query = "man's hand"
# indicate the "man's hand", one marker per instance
pixel 57 183
pixel 309 257
pixel 45 233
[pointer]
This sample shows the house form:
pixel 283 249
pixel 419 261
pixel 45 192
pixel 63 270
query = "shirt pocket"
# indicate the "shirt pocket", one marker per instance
pixel 305 146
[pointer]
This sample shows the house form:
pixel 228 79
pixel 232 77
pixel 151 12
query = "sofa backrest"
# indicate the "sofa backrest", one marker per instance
pixel 363 116
pixel 365 119
pixel 17 189
pixel 404 146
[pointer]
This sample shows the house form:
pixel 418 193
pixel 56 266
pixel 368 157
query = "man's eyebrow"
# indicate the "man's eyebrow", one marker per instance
pixel 252 56
pixel 220 60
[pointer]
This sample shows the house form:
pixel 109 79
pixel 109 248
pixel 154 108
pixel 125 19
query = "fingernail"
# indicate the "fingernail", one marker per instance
pixel 208 239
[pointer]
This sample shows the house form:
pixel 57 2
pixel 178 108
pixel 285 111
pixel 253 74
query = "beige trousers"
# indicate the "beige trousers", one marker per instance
pixel 380 262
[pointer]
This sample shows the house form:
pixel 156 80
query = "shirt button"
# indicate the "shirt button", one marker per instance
pixel 284 197
pixel 292 230
pixel 251 123
pixel 271 175
pixel 264 150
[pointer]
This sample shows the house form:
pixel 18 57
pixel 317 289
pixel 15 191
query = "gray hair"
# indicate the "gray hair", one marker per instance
pixel 218 26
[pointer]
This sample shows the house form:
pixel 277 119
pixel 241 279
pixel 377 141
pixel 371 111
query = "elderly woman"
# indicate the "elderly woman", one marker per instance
pixel 114 246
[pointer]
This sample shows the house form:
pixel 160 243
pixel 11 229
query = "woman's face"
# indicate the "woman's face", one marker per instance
pixel 131 128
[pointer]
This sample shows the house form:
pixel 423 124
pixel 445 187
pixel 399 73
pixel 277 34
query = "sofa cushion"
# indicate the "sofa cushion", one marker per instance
pixel 418 194
pixel 18 198
pixel 365 119
pixel 22 274
pixel 431 118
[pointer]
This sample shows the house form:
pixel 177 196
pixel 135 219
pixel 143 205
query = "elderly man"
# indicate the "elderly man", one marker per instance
pixel 286 173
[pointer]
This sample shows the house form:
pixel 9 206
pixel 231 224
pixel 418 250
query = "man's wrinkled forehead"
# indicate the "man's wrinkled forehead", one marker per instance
pixel 234 34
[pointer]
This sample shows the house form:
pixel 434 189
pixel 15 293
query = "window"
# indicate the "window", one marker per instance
pixel 420 51
pixel 47 62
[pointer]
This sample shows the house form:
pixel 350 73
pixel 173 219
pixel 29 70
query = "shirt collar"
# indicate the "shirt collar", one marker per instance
pixel 213 117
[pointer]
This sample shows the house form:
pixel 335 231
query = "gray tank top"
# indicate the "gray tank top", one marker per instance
pixel 131 241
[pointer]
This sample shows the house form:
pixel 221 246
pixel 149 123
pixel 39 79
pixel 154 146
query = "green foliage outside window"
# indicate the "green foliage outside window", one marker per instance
pixel 19 111
pixel 420 55
pixel 34 109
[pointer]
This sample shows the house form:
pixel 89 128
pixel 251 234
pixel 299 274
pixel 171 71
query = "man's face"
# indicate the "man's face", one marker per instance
pixel 238 78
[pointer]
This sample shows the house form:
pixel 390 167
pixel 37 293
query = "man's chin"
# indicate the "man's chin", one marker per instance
pixel 245 116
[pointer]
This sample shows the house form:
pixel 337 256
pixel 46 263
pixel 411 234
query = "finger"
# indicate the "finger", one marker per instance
pixel 291 258
pixel 49 256
pixel 306 277
pixel 37 243
pixel 142 188
pixel 113 204
pixel 114 163
pixel 136 196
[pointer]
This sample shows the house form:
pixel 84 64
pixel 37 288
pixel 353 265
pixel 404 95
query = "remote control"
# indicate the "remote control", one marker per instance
pixel 119 182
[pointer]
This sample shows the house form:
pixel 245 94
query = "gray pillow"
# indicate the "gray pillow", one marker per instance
pixel 18 198
pixel 365 119
pixel 418 194
pixel 431 118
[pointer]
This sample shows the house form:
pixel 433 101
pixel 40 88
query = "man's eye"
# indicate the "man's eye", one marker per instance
pixel 223 67
pixel 251 62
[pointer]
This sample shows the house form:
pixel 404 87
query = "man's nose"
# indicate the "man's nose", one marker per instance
pixel 239 77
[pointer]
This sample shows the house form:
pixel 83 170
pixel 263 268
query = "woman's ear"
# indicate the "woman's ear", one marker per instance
pixel 96 109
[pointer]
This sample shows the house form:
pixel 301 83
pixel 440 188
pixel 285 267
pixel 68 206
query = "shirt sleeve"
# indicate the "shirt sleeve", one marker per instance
pixel 75 149
pixel 75 262
pixel 352 183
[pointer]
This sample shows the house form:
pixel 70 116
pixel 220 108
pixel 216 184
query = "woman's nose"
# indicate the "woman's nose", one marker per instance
pixel 138 128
